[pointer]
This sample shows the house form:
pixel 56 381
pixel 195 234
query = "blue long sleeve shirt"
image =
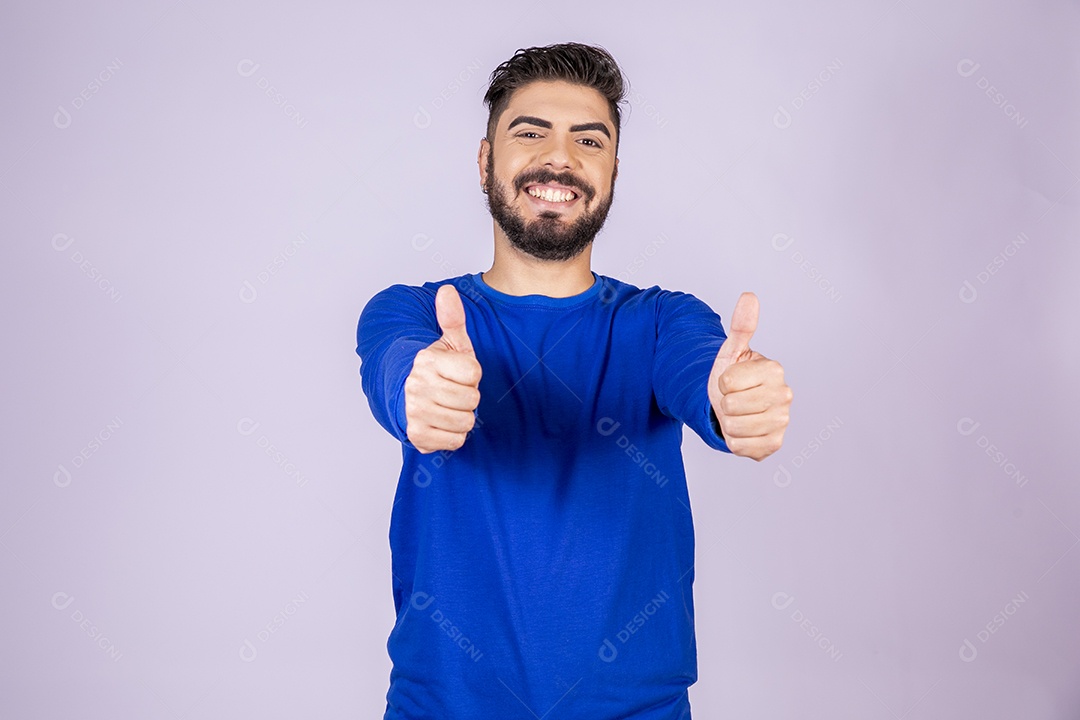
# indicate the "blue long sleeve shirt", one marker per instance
pixel 546 567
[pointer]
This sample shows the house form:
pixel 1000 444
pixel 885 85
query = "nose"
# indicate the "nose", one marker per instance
pixel 557 152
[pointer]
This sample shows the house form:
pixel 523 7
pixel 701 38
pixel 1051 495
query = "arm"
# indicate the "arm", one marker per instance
pixel 688 336
pixel 419 369
pixel 394 326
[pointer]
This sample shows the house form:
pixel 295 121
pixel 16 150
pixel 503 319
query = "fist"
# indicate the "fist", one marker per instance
pixel 747 390
pixel 443 387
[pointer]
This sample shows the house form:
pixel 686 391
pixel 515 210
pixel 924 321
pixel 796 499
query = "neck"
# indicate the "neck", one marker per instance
pixel 516 273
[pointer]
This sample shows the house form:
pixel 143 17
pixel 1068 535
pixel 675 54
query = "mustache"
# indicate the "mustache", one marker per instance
pixel 546 176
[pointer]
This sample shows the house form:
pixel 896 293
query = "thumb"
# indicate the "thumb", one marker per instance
pixel 743 323
pixel 451 316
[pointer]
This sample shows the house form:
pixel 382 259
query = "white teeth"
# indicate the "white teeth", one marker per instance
pixel 551 195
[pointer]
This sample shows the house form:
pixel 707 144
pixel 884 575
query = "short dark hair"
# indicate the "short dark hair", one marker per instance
pixel 589 65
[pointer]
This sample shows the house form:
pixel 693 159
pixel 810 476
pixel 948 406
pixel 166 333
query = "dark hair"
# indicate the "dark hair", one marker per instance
pixel 588 65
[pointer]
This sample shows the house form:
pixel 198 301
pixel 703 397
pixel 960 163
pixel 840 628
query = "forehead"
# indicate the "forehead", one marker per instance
pixel 558 101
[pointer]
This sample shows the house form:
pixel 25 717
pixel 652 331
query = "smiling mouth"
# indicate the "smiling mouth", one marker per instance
pixel 551 196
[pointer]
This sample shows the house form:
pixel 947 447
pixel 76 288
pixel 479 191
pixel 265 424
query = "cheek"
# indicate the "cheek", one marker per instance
pixel 509 173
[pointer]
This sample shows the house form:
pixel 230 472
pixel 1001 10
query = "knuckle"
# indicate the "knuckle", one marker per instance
pixel 475 373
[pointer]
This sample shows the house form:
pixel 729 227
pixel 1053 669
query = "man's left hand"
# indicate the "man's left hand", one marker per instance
pixel 747 389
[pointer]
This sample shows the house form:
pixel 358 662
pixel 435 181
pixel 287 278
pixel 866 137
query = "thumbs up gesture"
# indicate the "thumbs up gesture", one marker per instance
pixel 443 387
pixel 747 390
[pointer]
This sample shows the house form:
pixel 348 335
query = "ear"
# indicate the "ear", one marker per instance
pixel 481 160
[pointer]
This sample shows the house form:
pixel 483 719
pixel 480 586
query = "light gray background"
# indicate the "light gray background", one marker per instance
pixel 196 497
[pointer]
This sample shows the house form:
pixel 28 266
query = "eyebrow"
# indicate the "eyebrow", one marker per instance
pixel 529 119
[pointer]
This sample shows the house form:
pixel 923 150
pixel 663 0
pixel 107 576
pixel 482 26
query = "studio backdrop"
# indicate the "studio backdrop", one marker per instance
pixel 197 199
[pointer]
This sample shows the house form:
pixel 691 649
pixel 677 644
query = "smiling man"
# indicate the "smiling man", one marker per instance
pixel 541 534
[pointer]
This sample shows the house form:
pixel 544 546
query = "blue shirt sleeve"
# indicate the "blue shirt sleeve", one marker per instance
pixel 396 323
pixel 688 336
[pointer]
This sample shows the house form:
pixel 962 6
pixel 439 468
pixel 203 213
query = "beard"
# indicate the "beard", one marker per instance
pixel 548 237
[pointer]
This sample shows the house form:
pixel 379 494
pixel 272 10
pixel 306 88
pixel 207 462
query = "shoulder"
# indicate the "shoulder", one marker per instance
pixel 404 292
pixel 405 301
pixel 659 299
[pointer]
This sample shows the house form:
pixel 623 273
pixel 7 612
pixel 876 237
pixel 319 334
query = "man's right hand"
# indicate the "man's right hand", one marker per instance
pixel 443 388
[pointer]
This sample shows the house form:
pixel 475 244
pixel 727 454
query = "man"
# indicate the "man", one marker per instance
pixel 541 535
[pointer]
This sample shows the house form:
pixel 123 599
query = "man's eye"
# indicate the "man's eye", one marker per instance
pixel 527 132
pixel 595 144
